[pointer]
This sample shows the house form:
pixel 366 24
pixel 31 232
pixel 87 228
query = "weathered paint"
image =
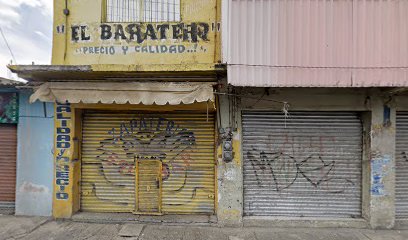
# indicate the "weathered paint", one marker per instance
pixel 378 143
pixel 140 107
pixel 67 179
pixel 83 37
pixel 66 161
pixel 236 145
pixel 148 187
pixel 34 158
pixel 230 181
pixel 316 43
pixel 381 155
pixel 380 167
pixel 114 141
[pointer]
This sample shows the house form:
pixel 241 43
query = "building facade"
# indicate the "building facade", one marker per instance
pixel 35 165
pixel 294 116
pixel 8 144
pixel 319 87
pixel 134 120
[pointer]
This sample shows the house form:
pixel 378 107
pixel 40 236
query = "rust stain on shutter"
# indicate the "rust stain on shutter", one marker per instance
pixel 183 142
pixel 8 149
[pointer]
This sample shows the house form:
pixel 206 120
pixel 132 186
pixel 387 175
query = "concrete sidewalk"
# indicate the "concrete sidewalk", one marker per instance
pixel 12 227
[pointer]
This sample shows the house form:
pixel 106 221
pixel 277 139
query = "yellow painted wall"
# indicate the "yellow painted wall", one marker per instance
pixel 67 161
pixel 78 38
pixel 64 164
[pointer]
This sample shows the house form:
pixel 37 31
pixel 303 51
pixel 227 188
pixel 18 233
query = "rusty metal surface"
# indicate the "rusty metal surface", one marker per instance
pixel 401 169
pixel 8 152
pixel 183 142
pixel 317 43
pixel 308 165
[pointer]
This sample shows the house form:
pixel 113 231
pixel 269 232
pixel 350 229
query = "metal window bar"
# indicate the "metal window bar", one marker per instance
pixel 143 10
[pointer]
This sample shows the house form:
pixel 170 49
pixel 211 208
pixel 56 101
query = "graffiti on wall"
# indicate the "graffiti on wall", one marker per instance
pixel 379 169
pixel 299 157
pixel 146 139
pixel 63 149
pixel 8 108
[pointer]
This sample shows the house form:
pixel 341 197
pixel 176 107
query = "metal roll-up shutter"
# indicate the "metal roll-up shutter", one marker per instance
pixel 307 165
pixel 114 141
pixel 8 152
pixel 401 168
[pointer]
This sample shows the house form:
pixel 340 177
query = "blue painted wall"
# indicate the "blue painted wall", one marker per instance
pixel 34 157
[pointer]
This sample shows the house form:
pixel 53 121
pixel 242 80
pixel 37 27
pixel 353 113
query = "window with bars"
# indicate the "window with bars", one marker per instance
pixel 143 10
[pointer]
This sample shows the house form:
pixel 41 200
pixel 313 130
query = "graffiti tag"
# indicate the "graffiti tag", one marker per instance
pixel 146 139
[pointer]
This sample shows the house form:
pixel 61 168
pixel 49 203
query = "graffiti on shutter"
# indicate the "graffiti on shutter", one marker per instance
pixel 118 141
pixel 306 165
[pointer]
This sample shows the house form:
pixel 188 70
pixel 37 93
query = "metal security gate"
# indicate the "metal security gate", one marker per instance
pixel 401 169
pixel 308 165
pixel 182 142
pixel 8 152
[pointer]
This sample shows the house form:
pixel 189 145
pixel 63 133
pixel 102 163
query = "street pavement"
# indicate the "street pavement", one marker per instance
pixel 37 228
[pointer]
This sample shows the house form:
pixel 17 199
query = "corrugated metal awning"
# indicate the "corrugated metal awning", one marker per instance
pixel 147 93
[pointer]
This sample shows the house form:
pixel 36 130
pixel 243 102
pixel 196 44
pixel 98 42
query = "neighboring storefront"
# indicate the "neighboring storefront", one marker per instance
pixel 8 151
pixel 401 167
pixel 8 147
pixel 330 168
pixel 307 164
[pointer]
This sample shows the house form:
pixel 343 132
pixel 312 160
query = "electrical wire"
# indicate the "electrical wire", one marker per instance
pixel 8 46
pixel 244 96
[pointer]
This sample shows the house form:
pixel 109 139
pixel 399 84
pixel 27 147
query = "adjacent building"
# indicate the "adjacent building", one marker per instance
pixel 26 150
pixel 35 150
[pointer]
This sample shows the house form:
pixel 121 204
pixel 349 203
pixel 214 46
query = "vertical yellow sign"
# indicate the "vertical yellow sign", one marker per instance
pixel 63 150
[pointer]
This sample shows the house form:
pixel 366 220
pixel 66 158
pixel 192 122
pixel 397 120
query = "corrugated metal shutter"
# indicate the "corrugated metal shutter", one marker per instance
pixel 401 169
pixel 308 165
pixel 8 151
pixel 148 186
pixel 114 141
